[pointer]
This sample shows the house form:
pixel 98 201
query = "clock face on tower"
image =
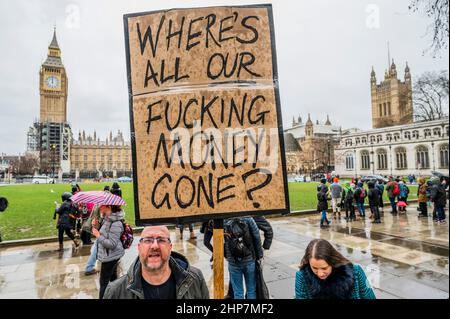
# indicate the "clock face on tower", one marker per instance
pixel 52 82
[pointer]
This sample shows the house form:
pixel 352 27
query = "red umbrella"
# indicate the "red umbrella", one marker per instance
pixel 98 198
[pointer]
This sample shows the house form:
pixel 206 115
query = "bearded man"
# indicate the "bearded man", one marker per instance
pixel 158 272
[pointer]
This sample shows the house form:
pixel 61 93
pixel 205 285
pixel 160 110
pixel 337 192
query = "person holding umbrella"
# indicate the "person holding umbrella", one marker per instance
pixel 109 245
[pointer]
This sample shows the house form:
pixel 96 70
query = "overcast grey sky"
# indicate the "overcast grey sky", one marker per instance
pixel 325 50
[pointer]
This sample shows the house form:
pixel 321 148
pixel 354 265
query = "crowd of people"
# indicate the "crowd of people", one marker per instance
pixel 351 197
pixel 158 272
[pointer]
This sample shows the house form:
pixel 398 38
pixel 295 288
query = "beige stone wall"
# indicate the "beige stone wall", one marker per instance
pixel 95 157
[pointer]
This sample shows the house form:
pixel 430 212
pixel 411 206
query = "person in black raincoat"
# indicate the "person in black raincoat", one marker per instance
pixel 67 216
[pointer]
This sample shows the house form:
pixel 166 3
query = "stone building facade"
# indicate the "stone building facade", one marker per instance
pixel 91 157
pixel 391 99
pixel 316 143
pixel 417 148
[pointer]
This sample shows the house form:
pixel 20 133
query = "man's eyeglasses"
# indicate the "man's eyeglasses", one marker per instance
pixel 151 240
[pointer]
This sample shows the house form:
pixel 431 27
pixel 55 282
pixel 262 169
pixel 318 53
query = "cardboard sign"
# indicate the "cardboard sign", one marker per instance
pixel 207 136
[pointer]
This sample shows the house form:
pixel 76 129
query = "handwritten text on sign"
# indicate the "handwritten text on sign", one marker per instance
pixel 205 116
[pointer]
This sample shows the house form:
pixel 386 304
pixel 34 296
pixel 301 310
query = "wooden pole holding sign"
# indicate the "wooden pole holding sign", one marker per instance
pixel 218 259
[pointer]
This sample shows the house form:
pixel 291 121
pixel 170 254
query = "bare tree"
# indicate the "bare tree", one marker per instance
pixel 430 96
pixel 25 165
pixel 437 10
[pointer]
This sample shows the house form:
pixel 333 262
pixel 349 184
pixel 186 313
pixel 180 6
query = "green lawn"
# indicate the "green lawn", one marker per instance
pixel 31 207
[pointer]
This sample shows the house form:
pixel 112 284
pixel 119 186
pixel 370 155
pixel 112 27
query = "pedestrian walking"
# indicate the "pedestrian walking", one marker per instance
pixel 322 206
pixel 380 186
pixel 242 250
pixel 360 197
pixel 403 196
pixel 348 198
pixel 374 198
pixel 95 220
pixel 325 274
pixel 207 231
pixel 191 230
pixel 422 191
pixel 336 194
pixel 109 245
pixel 393 191
pixel 158 272
pixel 67 216
pixel 439 198
pixel 3 207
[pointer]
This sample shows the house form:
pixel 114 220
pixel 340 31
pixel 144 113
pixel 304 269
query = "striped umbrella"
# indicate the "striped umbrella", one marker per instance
pixel 98 198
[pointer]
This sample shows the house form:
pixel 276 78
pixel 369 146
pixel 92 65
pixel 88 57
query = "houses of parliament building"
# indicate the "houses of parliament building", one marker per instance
pixel 50 138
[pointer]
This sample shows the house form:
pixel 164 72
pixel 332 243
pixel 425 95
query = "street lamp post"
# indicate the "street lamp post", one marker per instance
pixel 372 163
pixel 53 159
pixel 390 157
pixel 432 152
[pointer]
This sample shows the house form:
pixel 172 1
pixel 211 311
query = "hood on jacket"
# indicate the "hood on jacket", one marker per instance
pixel 116 216
pixel 435 180
pixel 421 180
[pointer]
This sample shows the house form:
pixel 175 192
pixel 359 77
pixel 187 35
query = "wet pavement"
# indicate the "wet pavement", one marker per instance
pixel 403 257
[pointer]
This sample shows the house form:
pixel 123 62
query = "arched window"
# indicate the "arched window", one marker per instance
pixel 401 160
pixel 396 136
pixel 349 162
pixel 348 142
pixel 423 158
pixel 407 135
pixel 372 139
pixel 427 132
pixel 365 160
pixel 379 138
pixel 357 141
pixel 443 156
pixel 415 134
pixel 437 132
pixel 364 140
pixel 382 159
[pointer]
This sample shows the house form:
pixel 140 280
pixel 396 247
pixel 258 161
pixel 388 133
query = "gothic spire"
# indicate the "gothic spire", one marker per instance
pixel 54 43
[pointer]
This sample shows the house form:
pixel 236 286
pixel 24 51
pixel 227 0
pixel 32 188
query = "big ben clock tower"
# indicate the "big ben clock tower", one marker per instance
pixel 53 86
pixel 53 131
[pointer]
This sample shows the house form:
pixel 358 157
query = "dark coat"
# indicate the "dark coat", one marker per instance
pixel 256 242
pixel 67 215
pixel 264 225
pixel 438 195
pixel 190 283
pixel 322 200
pixel 374 196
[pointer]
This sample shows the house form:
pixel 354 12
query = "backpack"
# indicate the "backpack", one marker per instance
pixel 349 196
pixel 362 193
pixel 127 237
pixel 396 190
pixel 240 242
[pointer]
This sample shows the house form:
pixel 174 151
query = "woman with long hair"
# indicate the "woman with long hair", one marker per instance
pixel 325 274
